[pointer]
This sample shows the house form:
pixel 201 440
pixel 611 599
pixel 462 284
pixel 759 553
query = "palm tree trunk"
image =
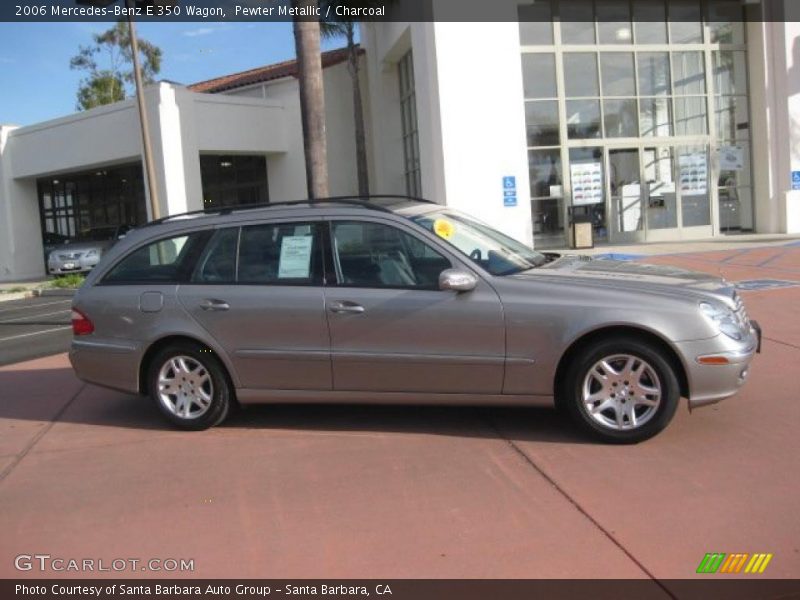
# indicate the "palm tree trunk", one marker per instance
pixel 358 115
pixel 312 100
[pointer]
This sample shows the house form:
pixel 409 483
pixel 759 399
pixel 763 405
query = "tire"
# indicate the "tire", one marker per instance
pixel 630 385
pixel 200 394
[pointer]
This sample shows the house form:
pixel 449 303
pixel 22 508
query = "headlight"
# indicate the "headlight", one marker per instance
pixel 724 319
pixel 92 254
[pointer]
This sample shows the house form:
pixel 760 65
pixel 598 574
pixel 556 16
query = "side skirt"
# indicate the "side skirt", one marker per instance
pixel 250 396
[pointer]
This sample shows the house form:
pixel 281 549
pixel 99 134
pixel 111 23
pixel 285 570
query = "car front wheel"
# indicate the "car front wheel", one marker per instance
pixel 622 390
pixel 190 386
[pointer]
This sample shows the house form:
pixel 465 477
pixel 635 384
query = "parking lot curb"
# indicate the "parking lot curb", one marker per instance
pixel 56 292
pixel 17 296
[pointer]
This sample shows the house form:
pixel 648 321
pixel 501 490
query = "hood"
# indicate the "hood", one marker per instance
pixel 634 276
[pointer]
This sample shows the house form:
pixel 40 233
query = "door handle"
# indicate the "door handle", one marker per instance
pixel 346 307
pixel 211 304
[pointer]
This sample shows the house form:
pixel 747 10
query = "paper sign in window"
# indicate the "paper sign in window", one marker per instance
pixel 295 257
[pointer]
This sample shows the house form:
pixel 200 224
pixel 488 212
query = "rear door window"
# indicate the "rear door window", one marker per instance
pixel 164 261
pixel 218 262
pixel 281 254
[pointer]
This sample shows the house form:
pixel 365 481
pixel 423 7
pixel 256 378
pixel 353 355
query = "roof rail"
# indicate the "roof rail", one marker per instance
pixel 360 201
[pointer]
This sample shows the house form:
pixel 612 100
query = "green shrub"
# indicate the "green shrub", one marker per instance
pixel 73 281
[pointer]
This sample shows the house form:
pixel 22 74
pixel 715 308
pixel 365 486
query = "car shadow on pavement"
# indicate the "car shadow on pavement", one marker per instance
pixel 55 394
pixel 542 424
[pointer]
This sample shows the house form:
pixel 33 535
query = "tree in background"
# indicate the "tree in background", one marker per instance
pixel 112 80
pixel 346 29
pixel 312 97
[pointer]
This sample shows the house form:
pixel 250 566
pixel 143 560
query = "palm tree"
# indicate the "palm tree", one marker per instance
pixel 312 97
pixel 346 29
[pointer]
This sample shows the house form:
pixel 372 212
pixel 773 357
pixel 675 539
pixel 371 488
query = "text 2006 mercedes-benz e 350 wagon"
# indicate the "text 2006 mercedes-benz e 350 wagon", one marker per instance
pixel 402 301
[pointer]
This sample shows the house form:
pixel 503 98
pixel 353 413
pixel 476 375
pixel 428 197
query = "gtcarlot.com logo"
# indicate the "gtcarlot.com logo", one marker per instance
pixel 720 562
pixel 46 562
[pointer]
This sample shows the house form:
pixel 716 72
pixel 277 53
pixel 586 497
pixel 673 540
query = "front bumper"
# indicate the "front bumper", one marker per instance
pixel 717 368
pixel 78 265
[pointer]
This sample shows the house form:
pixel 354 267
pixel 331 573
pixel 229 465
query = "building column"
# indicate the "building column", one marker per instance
pixel 480 134
pixel 175 155
pixel 21 256
pixel 774 44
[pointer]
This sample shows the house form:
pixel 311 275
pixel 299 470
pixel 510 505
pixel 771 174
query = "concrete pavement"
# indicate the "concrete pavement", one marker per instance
pixel 359 491
pixel 34 327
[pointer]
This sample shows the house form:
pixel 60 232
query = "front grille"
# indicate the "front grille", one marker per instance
pixel 741 311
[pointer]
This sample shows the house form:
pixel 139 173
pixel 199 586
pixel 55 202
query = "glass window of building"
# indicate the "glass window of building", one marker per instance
pixel 408 112
pixel 233 180
pixel 685 21
pixel 536 23
pixel 74 203
pixel 577 22
pixel 651 96
pixel 650 21
pixel 614 21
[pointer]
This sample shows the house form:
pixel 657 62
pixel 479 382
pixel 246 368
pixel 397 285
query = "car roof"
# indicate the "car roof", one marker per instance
pixel 406 206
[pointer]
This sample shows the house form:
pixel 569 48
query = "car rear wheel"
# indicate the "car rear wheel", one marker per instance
pixel 190 386
pixel 622 390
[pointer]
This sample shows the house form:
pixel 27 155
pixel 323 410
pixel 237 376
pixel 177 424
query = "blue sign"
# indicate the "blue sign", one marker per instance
pixel 509 190
pixel 796 180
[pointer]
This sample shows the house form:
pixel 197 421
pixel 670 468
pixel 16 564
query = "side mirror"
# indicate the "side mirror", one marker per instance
pixel 457 281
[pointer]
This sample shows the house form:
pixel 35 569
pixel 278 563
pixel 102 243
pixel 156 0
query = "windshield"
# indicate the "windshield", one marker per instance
pixel 487 247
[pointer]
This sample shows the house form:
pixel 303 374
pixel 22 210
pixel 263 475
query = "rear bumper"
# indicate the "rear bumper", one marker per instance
pixel 110 364
pixel 717 369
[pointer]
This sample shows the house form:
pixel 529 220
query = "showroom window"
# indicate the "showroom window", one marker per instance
pixel 544 143
pixel 649 95
pixel 233 180
pixel 73 203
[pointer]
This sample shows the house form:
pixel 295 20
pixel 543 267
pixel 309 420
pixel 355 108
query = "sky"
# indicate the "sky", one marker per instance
pixel 37 84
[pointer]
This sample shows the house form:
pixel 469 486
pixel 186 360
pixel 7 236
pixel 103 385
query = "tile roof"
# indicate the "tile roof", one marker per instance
pixel 267 73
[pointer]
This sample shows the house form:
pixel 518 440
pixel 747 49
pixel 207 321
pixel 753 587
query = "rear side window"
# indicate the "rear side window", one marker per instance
pixel 165 261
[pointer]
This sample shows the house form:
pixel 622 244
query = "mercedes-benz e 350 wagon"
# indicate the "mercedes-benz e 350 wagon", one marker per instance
pixel 399 301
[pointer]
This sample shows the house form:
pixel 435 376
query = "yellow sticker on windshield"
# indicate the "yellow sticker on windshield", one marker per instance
pixel 444 229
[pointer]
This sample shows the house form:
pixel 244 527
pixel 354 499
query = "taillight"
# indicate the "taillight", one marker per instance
pixel 81 325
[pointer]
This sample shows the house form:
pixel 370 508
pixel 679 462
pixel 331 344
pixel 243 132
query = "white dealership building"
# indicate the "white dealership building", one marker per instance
pixel 654 123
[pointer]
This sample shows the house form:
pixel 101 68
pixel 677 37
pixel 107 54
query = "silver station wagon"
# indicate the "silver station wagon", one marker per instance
pixel 399 301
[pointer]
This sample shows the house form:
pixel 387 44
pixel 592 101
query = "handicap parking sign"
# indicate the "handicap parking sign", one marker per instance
pixel 509 182
pixel 796 180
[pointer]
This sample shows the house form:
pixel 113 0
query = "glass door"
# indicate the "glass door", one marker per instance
pixel 694 177
pixel 587 188
pixel 661 194
pixel 625 194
